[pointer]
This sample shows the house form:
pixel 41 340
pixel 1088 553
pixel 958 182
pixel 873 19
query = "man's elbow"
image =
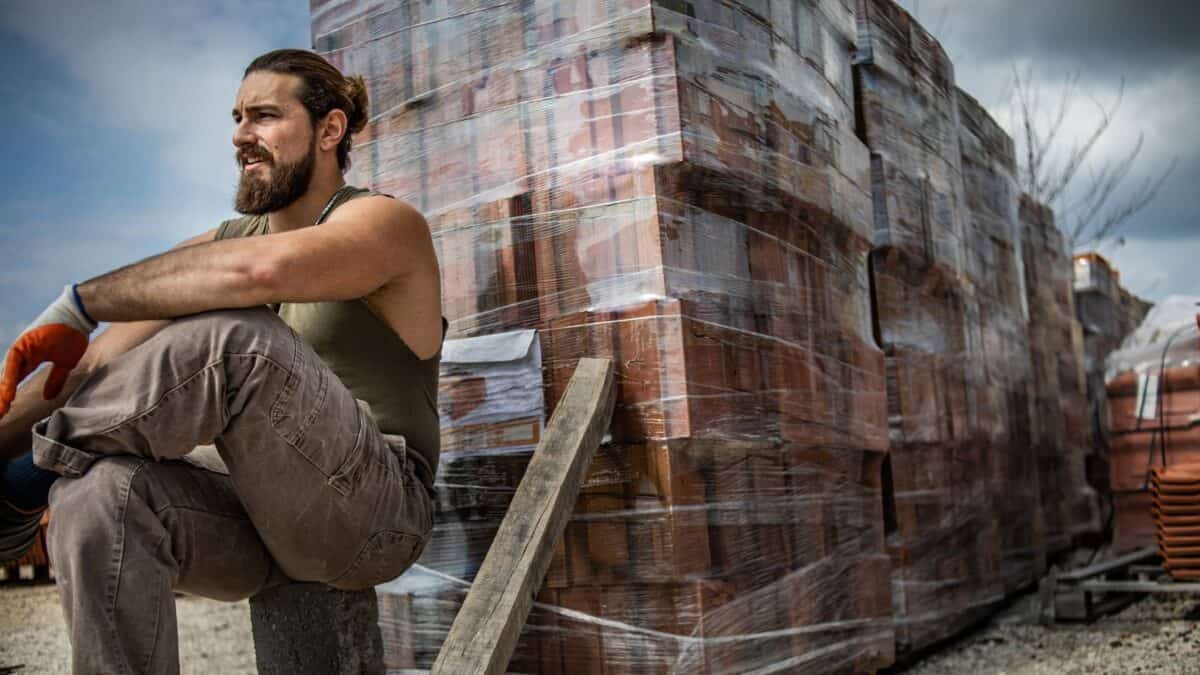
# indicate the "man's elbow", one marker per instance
pixel 256 281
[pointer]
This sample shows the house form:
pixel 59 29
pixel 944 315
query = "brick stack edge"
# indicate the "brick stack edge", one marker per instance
pixel 807 267
pixel 1108 313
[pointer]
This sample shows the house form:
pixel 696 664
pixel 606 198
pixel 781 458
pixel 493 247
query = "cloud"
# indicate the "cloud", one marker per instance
pixel 168 70
pixel 1150 43
pixel 1103 35
pixel 1156 268
pixel 123 144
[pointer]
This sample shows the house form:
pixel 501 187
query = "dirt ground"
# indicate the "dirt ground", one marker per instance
pixel 214 637
pixel 1155 635
pixel 1158 634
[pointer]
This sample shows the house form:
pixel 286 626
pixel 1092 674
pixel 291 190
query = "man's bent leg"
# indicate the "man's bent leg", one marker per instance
pixel 329 498
pixel 126 534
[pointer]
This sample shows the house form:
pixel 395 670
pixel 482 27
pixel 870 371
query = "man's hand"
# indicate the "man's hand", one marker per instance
pixel 59 336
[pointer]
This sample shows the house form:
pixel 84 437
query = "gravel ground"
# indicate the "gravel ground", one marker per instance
pixel 214 637
pixel 1158 634
pixel 1155 635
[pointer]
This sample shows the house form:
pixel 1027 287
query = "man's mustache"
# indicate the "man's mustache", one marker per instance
pixel 251 155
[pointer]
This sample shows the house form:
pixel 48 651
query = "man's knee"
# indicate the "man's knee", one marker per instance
pixel 86 512
pixel 255 330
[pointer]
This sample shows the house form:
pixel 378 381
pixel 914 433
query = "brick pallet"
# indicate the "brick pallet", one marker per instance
pixel 740 203
pixel 948 460
pixel 1108 313
pixel 1061 428
pixel 994 270
pixel 678 186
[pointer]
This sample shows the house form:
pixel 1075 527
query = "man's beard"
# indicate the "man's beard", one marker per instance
pixel 288 182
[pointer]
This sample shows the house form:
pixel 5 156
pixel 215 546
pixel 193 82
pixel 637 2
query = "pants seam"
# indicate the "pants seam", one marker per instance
pixel 157 613
pixel 193 509
pixel 119 559
pixel 138 415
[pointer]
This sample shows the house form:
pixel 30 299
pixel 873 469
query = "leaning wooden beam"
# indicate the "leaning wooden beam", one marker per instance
pixel 485 631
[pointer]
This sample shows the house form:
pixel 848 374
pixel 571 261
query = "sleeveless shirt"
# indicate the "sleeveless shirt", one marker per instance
pixel 374 363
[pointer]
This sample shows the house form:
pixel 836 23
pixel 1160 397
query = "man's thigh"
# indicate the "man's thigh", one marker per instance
pixel 207 536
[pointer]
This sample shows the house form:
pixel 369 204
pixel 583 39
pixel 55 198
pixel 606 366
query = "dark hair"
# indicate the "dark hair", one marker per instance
pixel 322 88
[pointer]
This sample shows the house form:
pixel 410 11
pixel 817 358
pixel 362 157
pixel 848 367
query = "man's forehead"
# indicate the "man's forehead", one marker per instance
pixel 266 88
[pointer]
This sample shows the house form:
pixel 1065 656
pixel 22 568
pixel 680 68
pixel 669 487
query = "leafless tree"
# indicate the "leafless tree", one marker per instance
pixel 1082 194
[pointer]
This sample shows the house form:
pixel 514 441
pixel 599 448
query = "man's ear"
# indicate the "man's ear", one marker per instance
pixel 332 129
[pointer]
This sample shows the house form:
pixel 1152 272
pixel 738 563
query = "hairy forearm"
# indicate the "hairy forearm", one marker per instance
pixel 183 281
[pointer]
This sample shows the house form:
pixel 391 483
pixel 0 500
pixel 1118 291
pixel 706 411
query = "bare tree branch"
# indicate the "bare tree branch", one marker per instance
pixel 1049 172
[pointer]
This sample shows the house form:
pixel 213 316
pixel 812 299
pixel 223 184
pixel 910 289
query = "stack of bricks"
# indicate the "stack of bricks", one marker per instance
pixel 676 185
pixel 1060 424
pixel 945 543
pixel 994 272
pixel 1108 313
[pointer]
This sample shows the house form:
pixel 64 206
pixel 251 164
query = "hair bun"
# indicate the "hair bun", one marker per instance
pixel 356 91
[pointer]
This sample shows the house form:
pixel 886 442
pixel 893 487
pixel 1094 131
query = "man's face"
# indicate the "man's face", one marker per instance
pixel 276 143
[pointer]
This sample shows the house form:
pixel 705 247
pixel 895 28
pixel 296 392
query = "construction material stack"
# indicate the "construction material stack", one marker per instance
pixel 944 531
pixel 1177 519
pixel 995 273
pixel 678 186
pixel 1108 313
pixel 1060 425
pixel 1153 387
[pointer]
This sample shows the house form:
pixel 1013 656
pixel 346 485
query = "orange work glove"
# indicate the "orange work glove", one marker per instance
pixel 58 336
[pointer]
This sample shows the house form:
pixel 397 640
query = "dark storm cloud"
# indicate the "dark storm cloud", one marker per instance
pixel 1100 37
pixel 1150 44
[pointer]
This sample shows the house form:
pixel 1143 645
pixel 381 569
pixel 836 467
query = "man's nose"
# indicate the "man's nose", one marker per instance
pixel 241 134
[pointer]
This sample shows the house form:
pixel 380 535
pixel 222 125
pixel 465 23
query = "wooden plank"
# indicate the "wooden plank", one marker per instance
pixel 485 632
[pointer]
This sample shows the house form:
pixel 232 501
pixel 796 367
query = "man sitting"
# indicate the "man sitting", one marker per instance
pixel 303 340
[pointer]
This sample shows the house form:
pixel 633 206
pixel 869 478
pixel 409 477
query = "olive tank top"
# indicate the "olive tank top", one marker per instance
pixel 374 363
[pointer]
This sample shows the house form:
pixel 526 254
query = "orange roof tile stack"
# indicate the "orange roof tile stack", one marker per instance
pixel 1176 515
pixel 1153 405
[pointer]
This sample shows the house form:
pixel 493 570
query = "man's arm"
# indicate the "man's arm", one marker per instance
pixel 29 407
pixel 364 245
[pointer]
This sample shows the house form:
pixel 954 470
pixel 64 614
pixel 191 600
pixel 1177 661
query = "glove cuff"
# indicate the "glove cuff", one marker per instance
pixel 67 310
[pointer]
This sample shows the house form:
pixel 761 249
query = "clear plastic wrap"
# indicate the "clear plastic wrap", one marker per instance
pixel 1164 339
pixel 950 304
pixel 910 123
pixel 1153 410
pixel 676 185
pixel 994 268
pixel 680 185
pixel 1108 313
pixel 1060 424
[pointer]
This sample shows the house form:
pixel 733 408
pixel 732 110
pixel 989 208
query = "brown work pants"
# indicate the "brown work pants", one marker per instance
pixel 314 491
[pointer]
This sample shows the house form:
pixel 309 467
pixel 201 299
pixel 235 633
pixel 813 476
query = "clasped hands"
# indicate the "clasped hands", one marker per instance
pixel 58 336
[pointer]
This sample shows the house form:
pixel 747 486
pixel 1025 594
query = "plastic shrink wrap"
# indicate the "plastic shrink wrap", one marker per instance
pixel 950 307
pixel 1153 411
pixel 1060 425
pixel 681 185
pixel 1107 313
pixel 994 266
pixel 676 185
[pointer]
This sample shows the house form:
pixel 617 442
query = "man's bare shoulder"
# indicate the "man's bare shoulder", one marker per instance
pixel 381 210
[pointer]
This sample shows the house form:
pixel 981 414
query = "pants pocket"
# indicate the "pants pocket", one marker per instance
pixel 342 479
pixel 385 556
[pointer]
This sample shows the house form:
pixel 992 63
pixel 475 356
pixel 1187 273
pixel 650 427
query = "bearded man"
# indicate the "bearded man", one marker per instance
pixel 302 340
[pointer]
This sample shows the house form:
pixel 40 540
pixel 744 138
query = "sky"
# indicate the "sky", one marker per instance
pixel 117 140
pixel 117 144
pixel 1152 44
